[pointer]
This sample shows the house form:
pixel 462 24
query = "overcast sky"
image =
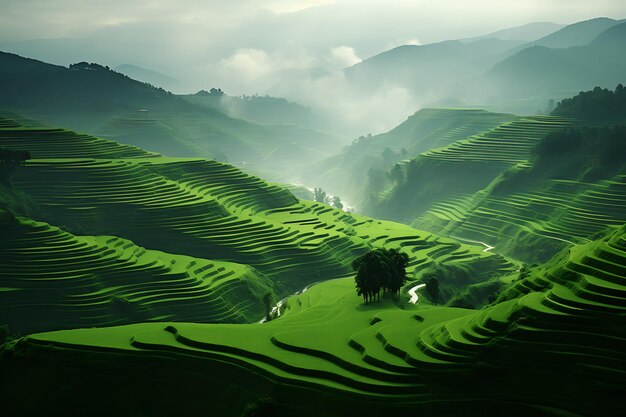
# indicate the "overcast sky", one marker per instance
pixel 253 46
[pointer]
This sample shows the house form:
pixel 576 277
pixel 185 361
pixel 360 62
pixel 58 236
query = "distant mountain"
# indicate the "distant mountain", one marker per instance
pixel 149 76
pixel 429 71
pixel 95 99
pixel 576 34
pixel 59 51
pixel 540 69
pixel 35 85
pixel 260 109
pixel 528 33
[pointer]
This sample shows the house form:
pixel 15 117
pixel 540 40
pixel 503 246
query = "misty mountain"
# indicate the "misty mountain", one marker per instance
pixel 429 71
pixel 576 34
pixel 539 69
pixel 260 109
pixel 149 76
pixel 528 33
pixel 29 84
pixel 95 99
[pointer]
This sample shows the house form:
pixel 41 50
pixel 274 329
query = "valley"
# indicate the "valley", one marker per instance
pixel 256 222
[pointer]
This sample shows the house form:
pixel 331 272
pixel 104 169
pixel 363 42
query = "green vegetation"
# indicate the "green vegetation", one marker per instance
pixel 377 270
pixel 359 172
pixel 52 279
pixel 166 281
pixel 10 160
pixel 549 348
pixel 261 109
pixel 462 168
pixel 140 114
pixel 599 104
pixel 227 239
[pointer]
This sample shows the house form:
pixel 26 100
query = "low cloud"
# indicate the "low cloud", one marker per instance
pixel 344 56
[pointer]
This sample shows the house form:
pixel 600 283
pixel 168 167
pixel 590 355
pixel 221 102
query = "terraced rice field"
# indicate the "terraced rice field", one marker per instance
pixel 434 128
pixel 206 210
pixel 557 214
pixel 52 280
pixel 557 348
pixel 50 142
pixel 442 177
pixel 508 143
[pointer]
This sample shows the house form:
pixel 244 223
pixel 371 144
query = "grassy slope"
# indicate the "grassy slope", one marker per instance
pixel 535 209
pixel 209 210
pixel 345 174
pixel 464 167
pixel 53 280
pixel 553 346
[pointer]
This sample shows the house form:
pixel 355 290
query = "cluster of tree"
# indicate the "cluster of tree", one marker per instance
pixel 213 92
pixel 362 139
pixel 585 154
pixel 597 104
pixel 321 197
pixel 9 161
pixel 86 66
pixel 593 151
pixel 379 270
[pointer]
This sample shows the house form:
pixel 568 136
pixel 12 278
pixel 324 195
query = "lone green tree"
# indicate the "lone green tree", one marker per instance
pixel 379 269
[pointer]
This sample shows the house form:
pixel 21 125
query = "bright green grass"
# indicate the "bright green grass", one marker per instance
pixel 544 349
pixel 199 208
pixel 552 215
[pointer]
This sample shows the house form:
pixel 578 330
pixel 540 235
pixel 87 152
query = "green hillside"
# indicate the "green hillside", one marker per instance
pixel 53 280
pixel 203 209
pixel 553 346
pixel 435 71
pixel 261 109
pixel 572 187
pixel 352 173
pixel 140 114
pixel 463 168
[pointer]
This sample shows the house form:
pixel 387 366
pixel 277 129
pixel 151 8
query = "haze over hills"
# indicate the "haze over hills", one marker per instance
pixel 529 178
pixel 576 34
pixel 528 32
pixel 573 68
pixel 492 71
pixel 149 76
pixel 144 115
pixel 437 230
